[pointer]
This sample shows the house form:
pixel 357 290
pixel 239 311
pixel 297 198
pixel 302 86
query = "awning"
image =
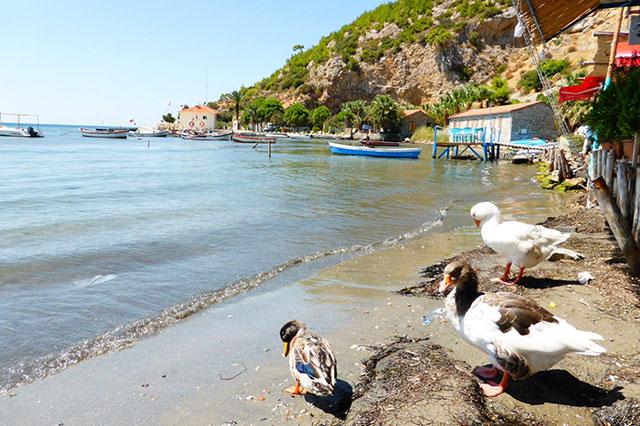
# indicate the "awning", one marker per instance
pixel 589 87
pixel 627 55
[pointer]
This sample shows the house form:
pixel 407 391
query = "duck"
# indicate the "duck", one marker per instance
pixel 523 245
pixel 520 337
pixel 311 360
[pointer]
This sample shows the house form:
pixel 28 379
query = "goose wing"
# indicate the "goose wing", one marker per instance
pixel 315 364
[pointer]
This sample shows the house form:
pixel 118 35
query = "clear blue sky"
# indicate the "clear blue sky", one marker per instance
pixel 93 62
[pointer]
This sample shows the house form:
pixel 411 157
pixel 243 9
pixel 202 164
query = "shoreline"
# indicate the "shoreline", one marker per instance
pixel 179 374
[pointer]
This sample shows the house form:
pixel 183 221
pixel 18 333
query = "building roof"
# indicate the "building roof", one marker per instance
pixel 547 18
pixel 502 109
pixel 200 109
pixel 410 112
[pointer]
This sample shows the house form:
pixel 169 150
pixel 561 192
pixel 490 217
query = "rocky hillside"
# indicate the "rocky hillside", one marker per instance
pixel 417 50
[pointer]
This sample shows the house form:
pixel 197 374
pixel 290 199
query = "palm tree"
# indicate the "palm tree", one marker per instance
pixel 236 96
pixel 356 112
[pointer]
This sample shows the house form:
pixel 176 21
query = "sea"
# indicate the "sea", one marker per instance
pixel 105 241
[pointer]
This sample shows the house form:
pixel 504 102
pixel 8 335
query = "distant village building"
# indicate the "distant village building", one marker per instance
pixel 512 122
pixel 199 118
pixel 411 120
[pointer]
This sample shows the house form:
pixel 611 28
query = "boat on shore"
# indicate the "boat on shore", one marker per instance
pixel 298 136
pixel 20 132
pixel 104 132
pixel 212 136
pixel 391 152
pixel 252 138
pixel 148 132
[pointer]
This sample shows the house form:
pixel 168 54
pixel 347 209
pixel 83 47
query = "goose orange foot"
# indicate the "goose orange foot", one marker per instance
pixel 296 390
pixel 491 390
pixel 485 372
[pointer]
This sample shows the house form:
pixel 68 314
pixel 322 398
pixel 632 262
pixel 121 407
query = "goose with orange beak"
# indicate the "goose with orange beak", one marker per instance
pixel 519 336
pixel 523 245
pixel 311 360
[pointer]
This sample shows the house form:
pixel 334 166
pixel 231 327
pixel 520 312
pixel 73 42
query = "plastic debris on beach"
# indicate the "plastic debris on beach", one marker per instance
pixel 585 277
pixel 434 315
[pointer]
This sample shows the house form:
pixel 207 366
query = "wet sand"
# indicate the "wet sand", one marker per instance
pixel 224 365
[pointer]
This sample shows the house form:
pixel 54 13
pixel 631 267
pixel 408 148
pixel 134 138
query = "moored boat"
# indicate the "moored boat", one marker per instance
pixel 378 143
pixel 298 136
pixel 213 136
pixel 20 132
pixel 392 152
pixel 103 132
pixel 148 132
pixel 252 138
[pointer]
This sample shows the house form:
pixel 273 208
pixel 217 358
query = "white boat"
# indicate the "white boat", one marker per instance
pixel 298 136
pixel 148 132
pixel 212 136
pixel 20 132
pixel 104 132
pixel 252 138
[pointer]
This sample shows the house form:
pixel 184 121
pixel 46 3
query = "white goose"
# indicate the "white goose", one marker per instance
pixel 519 336
pixel 522 244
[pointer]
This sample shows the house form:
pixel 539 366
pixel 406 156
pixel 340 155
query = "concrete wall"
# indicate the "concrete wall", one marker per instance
pixel 200 123
pixel 535 121
pixel 409 124
pixel 495 122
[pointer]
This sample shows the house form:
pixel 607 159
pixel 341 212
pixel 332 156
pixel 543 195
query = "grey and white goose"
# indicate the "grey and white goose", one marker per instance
pixel 519 336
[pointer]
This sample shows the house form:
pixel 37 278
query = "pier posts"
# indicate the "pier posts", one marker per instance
pixel 435 142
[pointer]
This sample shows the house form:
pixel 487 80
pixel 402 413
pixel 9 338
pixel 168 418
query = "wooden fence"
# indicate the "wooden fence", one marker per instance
pixel 617 188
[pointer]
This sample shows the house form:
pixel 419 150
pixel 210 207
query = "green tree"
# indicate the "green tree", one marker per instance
pixel 250 116
pixel 296 116
pixel 168 118
pixel 297 48
pixel 354 113
pixel 319 116
pixel 236 96
pixel 616 111
pixel 385 113
pixel 267 108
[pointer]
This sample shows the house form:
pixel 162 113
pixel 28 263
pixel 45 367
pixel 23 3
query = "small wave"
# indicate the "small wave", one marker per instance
pixel 97 280
pixel 125 336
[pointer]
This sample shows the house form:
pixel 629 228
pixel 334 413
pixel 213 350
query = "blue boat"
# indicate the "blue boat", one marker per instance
pixel 337 148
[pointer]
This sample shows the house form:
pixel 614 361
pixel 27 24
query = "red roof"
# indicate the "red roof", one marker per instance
pixel 200 109
pixel 589 87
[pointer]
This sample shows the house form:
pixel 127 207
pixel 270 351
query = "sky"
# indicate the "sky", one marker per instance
pixel 105 62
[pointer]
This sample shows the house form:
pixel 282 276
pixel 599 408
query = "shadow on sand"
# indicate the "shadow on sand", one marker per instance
pixel 337 404
pixel 533 282
pixel 561 387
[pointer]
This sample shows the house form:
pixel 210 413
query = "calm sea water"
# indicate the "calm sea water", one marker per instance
pixel 96 234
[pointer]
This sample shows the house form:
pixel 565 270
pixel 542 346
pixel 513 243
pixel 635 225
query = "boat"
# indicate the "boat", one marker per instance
pixel 104 132
pixel 337 148
pixel 252 138
pixel 378 143
pixel 20 132
pixel 148 132
pixel 212 136
pixel 298 136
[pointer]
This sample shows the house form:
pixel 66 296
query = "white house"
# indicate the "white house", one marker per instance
pixel 199 118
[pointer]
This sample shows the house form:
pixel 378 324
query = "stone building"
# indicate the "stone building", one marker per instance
pixel 510 122
pixel 411 120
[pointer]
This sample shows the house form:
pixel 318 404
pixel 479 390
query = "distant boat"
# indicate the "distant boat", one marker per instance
pixel 102 132
pixel 20 132
pixel 213 136
pixel 337 148
pixel 252 138
pixel 298 136
pixel 148 132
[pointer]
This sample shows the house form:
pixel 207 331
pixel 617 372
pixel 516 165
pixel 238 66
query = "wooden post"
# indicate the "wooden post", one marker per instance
pixel 269 148
pixel 608 175
pixel 635 229
pixel 634 158
pixel 618 225
pixel 614 48
pixel 623 191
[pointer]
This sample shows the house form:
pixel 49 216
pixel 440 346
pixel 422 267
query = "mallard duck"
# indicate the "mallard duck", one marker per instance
pixel 522 244
pixel 520 337
pixel 311 360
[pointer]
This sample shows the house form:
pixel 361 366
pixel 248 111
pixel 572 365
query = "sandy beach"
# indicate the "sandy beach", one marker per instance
pixel 224 366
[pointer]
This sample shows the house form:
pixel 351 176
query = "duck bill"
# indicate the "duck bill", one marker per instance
pixel 285 350
pixel 445 284
pixel 477 223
